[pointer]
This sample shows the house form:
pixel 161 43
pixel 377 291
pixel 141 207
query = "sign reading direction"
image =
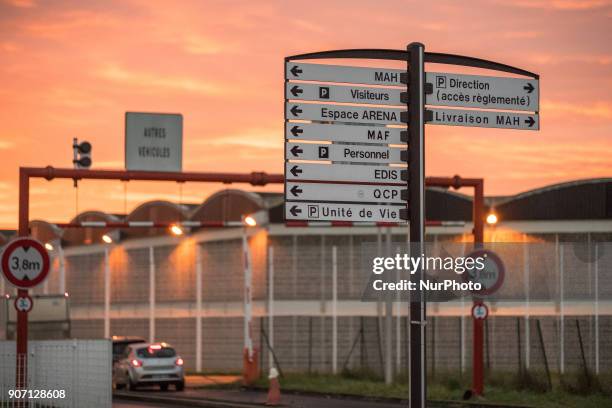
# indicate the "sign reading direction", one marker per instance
pixel 344 172
pixel 344 133
pixel 342 212
pixel 343 153
pixel 153 141
pixel 480 311
pixel 483 92
pixel 343 113
pixel 23 303
pixel 344 192
pixel 343 74
pixel 25 263
pixel 486 119
pixel 339 93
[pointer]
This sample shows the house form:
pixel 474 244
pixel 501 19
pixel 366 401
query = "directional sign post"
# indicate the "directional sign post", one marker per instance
pixel 355 135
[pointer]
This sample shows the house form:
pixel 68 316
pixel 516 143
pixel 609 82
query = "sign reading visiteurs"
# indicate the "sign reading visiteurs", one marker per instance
pixel 354 134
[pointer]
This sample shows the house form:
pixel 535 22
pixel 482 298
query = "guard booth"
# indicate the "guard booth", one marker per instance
pixel 49 319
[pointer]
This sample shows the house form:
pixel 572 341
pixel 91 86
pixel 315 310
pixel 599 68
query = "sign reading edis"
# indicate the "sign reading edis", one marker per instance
pixel 153 141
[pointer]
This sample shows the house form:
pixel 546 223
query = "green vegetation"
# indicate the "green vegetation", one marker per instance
pixel 528 390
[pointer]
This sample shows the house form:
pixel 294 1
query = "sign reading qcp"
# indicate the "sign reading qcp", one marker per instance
pixel 25 263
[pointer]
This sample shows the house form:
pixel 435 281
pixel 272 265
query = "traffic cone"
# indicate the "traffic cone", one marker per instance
pixel 274 390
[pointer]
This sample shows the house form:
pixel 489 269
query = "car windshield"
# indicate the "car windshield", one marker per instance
pixel 153 352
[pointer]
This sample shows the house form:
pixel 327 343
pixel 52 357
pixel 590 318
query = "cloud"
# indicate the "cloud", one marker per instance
pixel 561 4
pixel 6 144
pixel 155 82
pixel 599 110
pixel 20 3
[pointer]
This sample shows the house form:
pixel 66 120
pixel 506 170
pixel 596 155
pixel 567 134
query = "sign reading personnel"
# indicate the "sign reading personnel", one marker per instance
pixel 25 263
pixel 153 141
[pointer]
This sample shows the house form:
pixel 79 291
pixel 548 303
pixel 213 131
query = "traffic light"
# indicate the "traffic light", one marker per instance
pixel 81 154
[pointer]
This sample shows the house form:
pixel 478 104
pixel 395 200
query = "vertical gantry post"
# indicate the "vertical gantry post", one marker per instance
pixel 416 203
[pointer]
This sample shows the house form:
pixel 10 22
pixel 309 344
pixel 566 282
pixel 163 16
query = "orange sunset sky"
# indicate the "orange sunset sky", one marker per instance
pixel 72 68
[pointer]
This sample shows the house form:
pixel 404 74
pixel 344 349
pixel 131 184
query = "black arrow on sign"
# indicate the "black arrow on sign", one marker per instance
pixel 295 190
pixel 296 110
pixel 295 170
pixel 296 90
pixel 295 150
pixel 530 121
pixel 296 130
pixel 529 88
pixel 296 71
pixel 295 211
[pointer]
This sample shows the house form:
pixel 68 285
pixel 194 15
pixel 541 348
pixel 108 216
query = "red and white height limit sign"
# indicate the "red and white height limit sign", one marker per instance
pixel 25 263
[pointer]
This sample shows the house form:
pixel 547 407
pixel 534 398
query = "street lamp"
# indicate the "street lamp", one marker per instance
pixel 492 219
pixel 250 221
pixel 107 238
pixel 176 230
pixel 49 246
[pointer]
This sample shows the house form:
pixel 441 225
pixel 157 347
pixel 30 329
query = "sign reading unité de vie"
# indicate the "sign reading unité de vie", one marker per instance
pixel 153 141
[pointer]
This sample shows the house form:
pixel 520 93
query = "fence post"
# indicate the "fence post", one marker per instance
pixel 596 309
pixel 271 301
pixel 151 294
pixel 561 310
pixel 309 344
pixel 526 277
pixel 62 268
pixel 334 309
pixel 198 272
pixel 388 320
pixel 107 294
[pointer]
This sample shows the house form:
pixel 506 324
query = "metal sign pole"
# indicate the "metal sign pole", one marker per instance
pixel 416 191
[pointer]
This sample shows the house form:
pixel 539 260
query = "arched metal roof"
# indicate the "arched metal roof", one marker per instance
pixel 228 205
pixel 156 211
pixel 88 235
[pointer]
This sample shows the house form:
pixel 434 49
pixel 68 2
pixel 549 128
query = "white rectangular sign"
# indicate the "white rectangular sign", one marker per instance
pixel 354 193
pixel 486 119
pixel 343 153
pixel 344 172
pixel 483 92
pixel 153 141
pixel 344 74
pixel 312 211
pixel 343 133
pixel 343 113
pixel 343 93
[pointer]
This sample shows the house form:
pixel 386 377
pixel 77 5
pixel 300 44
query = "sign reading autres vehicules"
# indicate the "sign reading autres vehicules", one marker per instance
pixel 153 141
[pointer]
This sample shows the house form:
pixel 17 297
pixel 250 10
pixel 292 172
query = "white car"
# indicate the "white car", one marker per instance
pixel 149 364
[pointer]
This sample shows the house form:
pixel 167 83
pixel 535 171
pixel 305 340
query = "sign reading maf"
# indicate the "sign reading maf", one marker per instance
pixel 153 141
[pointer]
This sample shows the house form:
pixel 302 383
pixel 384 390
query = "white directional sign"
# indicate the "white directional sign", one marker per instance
pixel 340 93
pixel 343 153
pixel 344 133
pixel 344 172
pixel 344 74
pixel 486 119
pixel 342 212
pixel 343 113
pixel 344 192
pixel 483 92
